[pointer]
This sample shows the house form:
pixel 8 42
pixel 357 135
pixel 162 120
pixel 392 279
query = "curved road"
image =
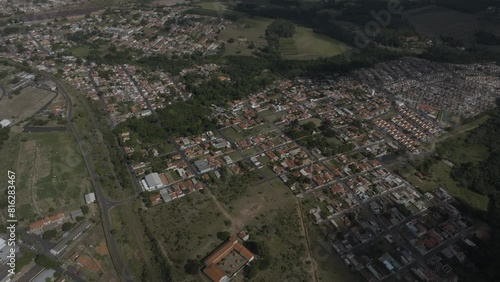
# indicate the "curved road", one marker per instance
pixel 104 204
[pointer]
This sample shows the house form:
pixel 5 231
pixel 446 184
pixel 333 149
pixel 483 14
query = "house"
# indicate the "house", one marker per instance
pixel 76 214
pixel 243 236
pixel 90 198
pixel 155 199
pixel 47 223
pixel 165 195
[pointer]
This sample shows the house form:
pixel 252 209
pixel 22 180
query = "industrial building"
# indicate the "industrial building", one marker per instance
pixel 152 182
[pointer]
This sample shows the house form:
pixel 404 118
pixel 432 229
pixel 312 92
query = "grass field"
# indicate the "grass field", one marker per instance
pixel 330 265
pixel 50 172
pixel 246 30
pixel 130 239
pixel 187 231
pixel 257 200
pixel 441 179
pixel 25 104
pixel 269 211
pixel 80 51
pixel 306 44
pixel 459 151
pixel 59 176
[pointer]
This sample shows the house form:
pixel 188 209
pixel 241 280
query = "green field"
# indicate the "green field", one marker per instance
pixel 330 265
pixel 80 51
pixel 441 179
pixel 244 31
pixel 306 44
pixel 60 173
pixel 51 175
pixel 192 224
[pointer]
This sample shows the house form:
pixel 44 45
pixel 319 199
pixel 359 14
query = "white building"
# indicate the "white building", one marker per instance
pixel 5 123
pixel 90 198
pixel 152 181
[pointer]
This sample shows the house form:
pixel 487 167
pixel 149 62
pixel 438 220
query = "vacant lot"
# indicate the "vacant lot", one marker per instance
pixel 330 266
pixel 268 210
pixel 433 21
pixel 25 104
pixel 92 247
pixel 51 173
pixel 131 240
pixel 258 199
pixel 186 229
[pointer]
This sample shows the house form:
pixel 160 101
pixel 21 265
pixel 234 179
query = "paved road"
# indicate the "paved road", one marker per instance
pixel 104 204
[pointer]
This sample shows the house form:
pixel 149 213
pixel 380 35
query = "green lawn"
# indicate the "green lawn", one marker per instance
pixel 247 30
pixel 64 180
pixel 310 45
pixel 80 51
pixel 193 223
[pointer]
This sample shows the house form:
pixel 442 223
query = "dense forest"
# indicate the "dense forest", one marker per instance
pixel 484 178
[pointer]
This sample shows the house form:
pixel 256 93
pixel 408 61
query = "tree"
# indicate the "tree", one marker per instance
pixel 223 236
pixel 192 267
pixel 46 262
pixel 49 234
pixel 85 209
pixel 67 226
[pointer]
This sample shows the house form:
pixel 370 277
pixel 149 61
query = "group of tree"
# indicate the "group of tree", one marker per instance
pixel 276 30
pixel 483 177
pixel 487 38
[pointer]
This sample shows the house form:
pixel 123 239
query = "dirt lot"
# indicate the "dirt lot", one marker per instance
pixel 25 104
pixel 91 257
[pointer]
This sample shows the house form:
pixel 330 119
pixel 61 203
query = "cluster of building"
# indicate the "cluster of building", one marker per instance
pixel 395 231
pixel 10 8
